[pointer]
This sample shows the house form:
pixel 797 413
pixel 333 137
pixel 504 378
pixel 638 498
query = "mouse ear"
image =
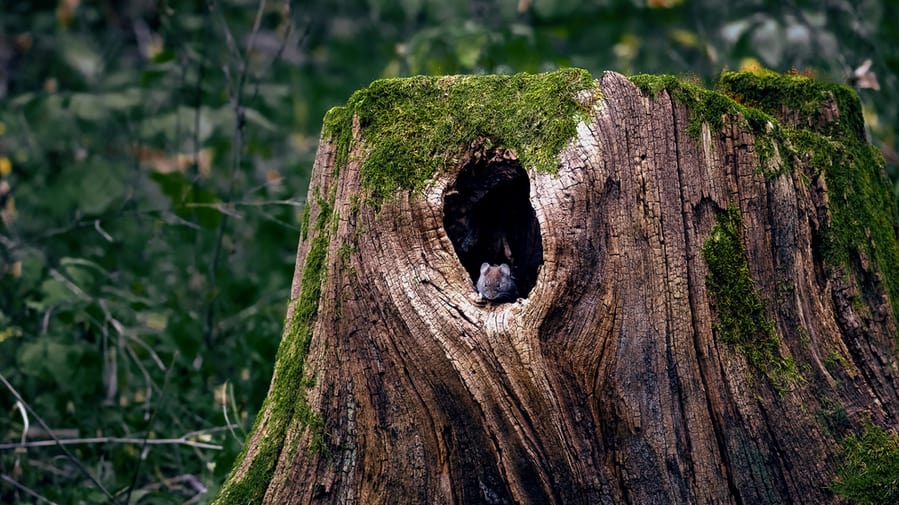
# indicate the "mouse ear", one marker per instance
pixel 505 269
pixel 484 267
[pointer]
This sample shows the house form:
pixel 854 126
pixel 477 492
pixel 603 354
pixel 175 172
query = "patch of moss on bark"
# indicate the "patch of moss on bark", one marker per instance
pixel 774 93
pixel 414 127
pixel 713 108
pixel 863 209
pixel 286 404
pixel 741 316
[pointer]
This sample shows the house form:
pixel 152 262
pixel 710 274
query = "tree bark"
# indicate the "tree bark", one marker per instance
pixel 695 323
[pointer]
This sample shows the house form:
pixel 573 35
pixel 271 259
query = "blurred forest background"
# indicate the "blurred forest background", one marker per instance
pixel 154 158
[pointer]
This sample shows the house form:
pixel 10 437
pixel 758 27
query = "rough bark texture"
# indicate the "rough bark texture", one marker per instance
pixel 614 380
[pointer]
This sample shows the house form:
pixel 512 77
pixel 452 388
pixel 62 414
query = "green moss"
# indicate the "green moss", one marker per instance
pixel 869 474
pixel 355 205
pixel 304 223
pixel 774 93
pixel 742 321
pixel 345 252
pixel 283 400
pixel 835 362
pixel 862 207
pixel 804 338
pixel 712 108
pixel 413 127
pixel 833 418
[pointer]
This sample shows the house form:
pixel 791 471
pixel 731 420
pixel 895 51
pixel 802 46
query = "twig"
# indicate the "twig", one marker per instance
pixel 146 440
pixel 212 5
pixel 102 232
pixel 271 298
pixel 257 23
pixel 25 423
pixel 207 431
pixel 147 380
pixel 113 440
pixel 168 213
pixel 18 485
pixel 58 443
pixel 150 351
pixel 236 93
pixel 225 408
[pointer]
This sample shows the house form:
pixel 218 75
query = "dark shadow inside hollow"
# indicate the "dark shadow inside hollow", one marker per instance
pixel 488 217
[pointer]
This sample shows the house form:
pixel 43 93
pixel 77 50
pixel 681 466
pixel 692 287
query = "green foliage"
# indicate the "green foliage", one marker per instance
pixel 869 474
pixel 741 318
pixel 416 126
pixel 146 245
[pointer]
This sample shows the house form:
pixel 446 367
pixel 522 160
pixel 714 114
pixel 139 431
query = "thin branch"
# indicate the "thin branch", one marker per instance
pixel 102 232
pixel 271 298
pixel 207 431
pixel 257 23
pixel 236 94
pixel 58 443
pixel 77 291
pixel 146 440
pixel 188 479
pixel 25 423
pixel 167 213
pixel 229 38
pixel 147 380
pixel 113 440
pixel 234 408
pixel 152 353
pixel 290 202
pixel 225 407
pixel 21 487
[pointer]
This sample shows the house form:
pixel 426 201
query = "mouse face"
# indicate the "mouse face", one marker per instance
pixel 496 283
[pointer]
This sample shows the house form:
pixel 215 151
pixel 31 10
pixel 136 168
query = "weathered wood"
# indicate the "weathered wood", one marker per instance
pixel 613 380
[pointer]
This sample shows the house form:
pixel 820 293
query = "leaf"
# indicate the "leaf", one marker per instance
pixel 47 358
pixel 81 57
pixel 185 198
pixel 97 185
pixel 81 272
pixel 85 106
pixel 155 320
pixel 470 44
pixel 8 332
pixel 56 293
pixel 255 117
pixel 81 262
pixel 182 120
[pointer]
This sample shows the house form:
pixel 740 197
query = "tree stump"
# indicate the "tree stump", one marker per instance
pixel 704 296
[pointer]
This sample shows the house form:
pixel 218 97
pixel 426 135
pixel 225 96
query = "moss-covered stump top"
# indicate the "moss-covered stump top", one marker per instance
pixel 412 127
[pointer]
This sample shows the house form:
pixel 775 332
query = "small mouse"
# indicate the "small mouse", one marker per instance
pixel 496 283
